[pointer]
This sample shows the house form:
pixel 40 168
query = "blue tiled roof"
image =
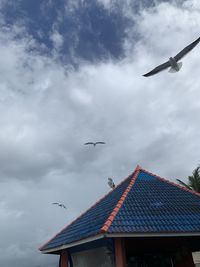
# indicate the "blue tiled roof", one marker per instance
pixel 154 205
pixel 143 203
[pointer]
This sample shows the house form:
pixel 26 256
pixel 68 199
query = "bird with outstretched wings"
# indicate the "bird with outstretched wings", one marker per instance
pixel 95 143
pixel 173 61
pixel 60 205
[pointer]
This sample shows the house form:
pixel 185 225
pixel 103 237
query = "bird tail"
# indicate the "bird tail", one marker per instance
pixel 172 70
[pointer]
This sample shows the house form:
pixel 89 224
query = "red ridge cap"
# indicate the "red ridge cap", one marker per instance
pixel 41 247
pixel 113 214
pixel 170 182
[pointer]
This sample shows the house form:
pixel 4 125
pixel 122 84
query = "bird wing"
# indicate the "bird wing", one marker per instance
pixel 158 69
pixel 55 203
pixel 89 143
pixel 102 143
pixel 187 49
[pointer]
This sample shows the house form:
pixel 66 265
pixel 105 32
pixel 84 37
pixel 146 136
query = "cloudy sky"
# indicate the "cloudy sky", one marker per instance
pixel 71 72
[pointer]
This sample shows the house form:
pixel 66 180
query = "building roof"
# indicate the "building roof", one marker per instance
pixel 142 204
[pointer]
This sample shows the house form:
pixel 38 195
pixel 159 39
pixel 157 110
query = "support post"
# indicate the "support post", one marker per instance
pixel 64 258
pixel 120 256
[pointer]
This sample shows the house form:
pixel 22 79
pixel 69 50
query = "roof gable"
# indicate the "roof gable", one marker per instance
pixel 142 203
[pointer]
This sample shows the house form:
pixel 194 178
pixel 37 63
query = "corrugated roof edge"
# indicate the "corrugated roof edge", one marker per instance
pixel 170 182
pixel 113 214
pixel 43 246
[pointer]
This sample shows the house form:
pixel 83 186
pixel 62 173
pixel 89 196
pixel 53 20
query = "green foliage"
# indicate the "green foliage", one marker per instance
pixel 184 184
pixel 193 181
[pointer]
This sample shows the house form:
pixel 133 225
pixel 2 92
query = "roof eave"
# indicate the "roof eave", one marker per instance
pixel 163 234
pixel 55 250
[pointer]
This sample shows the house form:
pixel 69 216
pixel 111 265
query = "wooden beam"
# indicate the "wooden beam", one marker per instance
pixel 120 255
pixel 64 258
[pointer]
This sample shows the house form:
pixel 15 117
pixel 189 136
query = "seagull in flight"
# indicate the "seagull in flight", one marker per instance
pixel 95 143
pixel 60 205
pixel 173 61
pixel 111 183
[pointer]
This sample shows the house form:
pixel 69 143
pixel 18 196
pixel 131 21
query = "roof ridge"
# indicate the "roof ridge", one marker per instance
pixel 116 209
pixel 170 182
pixel 74 220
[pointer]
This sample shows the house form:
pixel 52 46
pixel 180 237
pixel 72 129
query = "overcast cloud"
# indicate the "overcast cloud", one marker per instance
pixel 48 110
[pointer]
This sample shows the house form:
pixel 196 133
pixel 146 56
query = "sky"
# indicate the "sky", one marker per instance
pixel 71 72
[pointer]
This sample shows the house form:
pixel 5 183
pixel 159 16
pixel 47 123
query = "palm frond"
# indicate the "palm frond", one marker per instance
pixel 184 184
pixel 194 180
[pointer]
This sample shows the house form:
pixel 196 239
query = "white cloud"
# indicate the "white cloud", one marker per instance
pixel 57 39
pixel 106 3
pixel 71 5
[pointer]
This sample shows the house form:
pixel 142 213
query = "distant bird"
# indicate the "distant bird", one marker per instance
pixel 95 143
pixel 60 205
pixel 111 183
pixel 173 61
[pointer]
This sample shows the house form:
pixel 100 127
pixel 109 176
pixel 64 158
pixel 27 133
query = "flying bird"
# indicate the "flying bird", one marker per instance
pixel 95 143
pixel 173 61
pixel 111 183
pixel 60 205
